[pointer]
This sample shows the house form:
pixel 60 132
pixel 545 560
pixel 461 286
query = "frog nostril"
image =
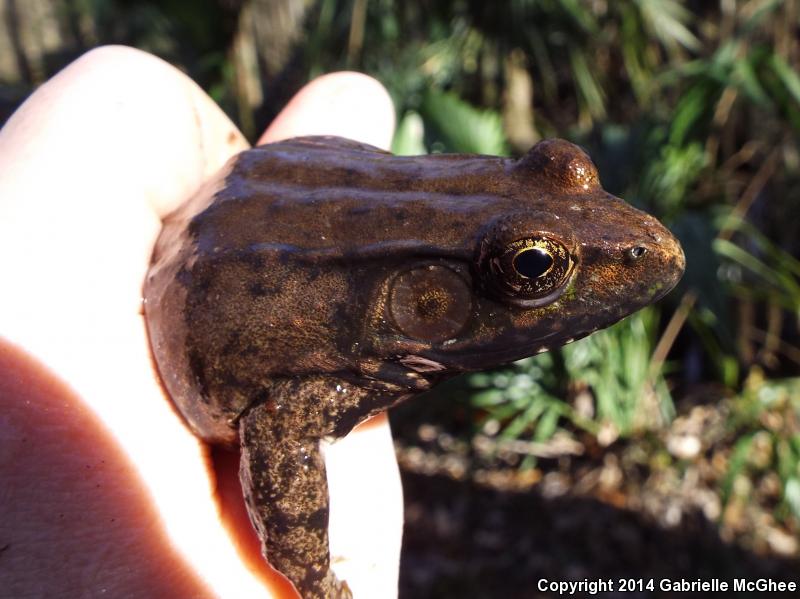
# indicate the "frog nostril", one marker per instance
pixel 635 253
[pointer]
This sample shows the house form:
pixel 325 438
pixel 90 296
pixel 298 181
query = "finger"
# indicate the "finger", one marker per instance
pixel 78 159
pixel 364 482
pixel 87 167
pixel 75 518
pixel 366 523
pixel 346 104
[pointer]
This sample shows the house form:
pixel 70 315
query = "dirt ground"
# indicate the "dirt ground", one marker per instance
pixel 477 527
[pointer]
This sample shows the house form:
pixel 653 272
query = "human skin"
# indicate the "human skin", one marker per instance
pixel 102 486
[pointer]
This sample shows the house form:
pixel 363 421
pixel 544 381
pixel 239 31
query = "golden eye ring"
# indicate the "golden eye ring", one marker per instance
pixel 528 272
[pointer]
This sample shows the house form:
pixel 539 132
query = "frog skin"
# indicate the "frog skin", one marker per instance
pixel 318 281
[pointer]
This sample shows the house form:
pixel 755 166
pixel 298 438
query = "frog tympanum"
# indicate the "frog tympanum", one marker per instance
pixel 318 281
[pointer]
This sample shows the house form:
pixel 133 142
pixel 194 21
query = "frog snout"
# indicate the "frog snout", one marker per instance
pixel 678 257
pixel 671 251
pixel 657 255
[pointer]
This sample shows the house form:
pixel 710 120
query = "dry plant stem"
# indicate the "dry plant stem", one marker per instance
pixel 746 311
pixel 773 333
pixel 688 300
pixel 787 349
pixel 721 114
pixel 752 190
pixel 671 333
pixel 757 183
pixel 744 155
pixel 358 19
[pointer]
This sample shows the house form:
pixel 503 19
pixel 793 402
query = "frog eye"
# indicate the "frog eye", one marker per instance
pixel 528 272
pixel 430 303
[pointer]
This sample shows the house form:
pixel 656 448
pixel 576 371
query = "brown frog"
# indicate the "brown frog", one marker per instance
pixel 318 281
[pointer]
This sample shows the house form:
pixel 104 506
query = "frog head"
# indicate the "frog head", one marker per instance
pixel 552 259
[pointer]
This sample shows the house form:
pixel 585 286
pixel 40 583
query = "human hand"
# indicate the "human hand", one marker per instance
pixel 104 489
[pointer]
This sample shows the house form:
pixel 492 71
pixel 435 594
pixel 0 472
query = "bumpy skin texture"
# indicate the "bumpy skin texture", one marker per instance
pixel 318 281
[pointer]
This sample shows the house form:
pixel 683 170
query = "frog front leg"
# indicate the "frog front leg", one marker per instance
pixel 286 490
pixel 283 476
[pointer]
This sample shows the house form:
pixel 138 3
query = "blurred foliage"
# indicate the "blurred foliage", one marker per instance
pixel 690 109
pixel 765 421
pixel 615 364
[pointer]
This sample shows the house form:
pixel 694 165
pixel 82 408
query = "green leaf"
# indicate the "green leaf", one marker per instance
pixel 791 494
pixel 581 15
pixel 736 465
pixel 589 90
pixel 462 127
pixel 787 76
pixel 745 75
pixel 547 425
pixel 780 274
pixel 690 109
pixel 668 19
pixel 733 252
pixel 409 136
pixel 525 419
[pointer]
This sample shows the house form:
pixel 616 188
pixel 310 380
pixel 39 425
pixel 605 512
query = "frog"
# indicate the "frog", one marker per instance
pixel 318 281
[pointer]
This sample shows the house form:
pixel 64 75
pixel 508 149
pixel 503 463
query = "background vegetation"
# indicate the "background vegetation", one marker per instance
pixel 686 412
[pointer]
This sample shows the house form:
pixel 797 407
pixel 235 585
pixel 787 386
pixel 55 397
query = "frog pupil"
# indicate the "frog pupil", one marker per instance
pixel 532 263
